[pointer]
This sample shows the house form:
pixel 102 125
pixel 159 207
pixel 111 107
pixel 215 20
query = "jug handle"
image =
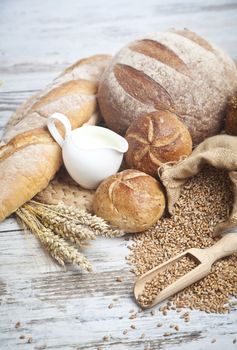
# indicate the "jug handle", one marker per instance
pixel 53 130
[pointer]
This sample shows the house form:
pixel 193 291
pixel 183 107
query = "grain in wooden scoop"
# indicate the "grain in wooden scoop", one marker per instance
pixel 205 201
pixel 165 278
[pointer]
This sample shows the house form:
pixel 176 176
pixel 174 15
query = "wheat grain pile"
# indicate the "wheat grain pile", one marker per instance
pixel 206 200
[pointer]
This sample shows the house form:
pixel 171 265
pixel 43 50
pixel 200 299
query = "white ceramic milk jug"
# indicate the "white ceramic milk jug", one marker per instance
pixel 90 153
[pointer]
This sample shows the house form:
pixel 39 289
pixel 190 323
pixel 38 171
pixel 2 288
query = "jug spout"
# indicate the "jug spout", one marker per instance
pixel 122 145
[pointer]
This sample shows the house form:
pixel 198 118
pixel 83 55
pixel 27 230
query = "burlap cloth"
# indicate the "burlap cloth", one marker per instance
pixel 219 151
pixel 64 189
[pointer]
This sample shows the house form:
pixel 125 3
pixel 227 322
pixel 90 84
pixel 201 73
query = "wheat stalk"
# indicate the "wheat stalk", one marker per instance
pixel 98 225
pixel 54 224
pixel 57 247
pixel 65 226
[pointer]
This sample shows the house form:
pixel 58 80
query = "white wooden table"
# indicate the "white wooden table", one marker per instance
pixel 69 310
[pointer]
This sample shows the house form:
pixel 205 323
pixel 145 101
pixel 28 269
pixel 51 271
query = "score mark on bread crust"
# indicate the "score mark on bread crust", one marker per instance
pixel 162 53
pixel 142 87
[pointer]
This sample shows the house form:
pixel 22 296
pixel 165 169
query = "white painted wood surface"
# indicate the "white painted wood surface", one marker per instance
pixel 69 310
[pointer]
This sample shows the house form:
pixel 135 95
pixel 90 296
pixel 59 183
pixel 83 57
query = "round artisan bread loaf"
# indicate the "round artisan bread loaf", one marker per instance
pixel 130 200
pixel 175 70
pixel 154 139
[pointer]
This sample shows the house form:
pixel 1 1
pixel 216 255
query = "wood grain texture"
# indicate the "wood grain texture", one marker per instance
pixel 69 310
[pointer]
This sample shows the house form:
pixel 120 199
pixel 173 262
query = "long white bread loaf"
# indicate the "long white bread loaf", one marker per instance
pixel 29 157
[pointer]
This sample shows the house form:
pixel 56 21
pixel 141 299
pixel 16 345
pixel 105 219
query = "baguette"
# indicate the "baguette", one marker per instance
pixel 29 157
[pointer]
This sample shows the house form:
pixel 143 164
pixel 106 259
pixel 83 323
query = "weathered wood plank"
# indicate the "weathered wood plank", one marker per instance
pixel 69 309
pixel 62 32
pixel 37 293
pixel 10 224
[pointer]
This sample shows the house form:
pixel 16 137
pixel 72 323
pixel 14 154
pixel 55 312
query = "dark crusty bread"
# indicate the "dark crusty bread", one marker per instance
pixel 29 157
pixel 154 139
pixel 231 116
pixel 175 70
pixel 130 200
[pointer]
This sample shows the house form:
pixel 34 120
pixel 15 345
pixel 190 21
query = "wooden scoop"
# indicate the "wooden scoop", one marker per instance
pixel 204 257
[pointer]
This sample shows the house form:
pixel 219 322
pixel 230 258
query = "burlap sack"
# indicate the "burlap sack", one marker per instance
pixel 219 151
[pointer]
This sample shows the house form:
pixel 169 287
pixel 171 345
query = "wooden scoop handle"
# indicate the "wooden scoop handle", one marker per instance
pixel 224 247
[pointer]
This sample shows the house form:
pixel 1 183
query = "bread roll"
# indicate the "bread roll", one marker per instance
pixel 130 200
pixel 176 70
pixel 29 157
pixel 154 139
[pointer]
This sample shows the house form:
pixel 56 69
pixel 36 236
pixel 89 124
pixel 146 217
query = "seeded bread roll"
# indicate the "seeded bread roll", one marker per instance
pixel 29 157
pixel 130 200
pixel 176 70
pixel 154 139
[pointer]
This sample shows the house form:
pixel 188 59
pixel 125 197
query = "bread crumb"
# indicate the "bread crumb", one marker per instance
pixel 159 324
pixel 234 340
pixel 125 331
pixel 30 339
pixel 119 279
pixel 213 340
pixel 110 306
pixel 133 326
pixel 142 336
pixel 106 338
pixel 176 328
pixel 22 336
pixel 18 324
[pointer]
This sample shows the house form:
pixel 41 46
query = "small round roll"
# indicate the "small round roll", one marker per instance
pixel 130 200
pixel 154 139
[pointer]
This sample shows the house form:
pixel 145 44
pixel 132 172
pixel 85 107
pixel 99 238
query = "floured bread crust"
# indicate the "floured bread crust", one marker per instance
pixel 29 157
pixel 175 70
pixel 130 200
